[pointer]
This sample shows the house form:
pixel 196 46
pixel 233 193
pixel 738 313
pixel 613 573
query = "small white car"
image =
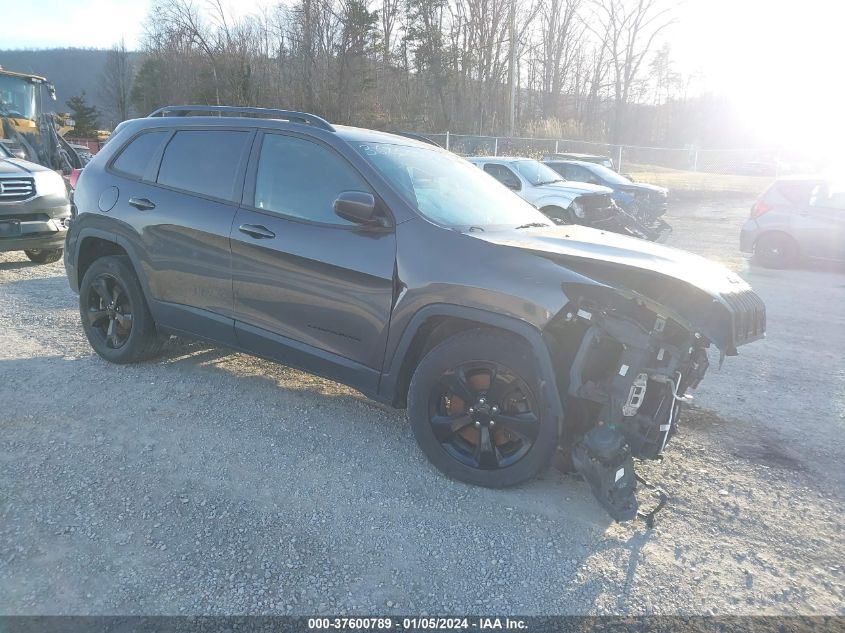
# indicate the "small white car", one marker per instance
pixel 564 201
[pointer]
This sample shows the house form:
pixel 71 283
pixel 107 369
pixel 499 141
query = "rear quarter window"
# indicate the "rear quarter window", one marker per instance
pixel 135 157
pixel 204 161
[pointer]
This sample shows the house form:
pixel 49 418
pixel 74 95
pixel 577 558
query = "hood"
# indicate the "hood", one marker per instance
pixel 642 187
pixel 573 187
pixel 18 167
pixel 705 295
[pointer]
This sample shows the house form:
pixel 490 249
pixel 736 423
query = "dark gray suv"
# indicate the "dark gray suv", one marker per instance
pixel 402 270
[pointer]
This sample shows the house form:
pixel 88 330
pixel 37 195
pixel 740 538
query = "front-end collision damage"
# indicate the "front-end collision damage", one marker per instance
pixel 624 364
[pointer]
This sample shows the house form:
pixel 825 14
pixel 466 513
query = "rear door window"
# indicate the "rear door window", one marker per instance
pixel 204 161
pixel 570 172
pixel 829 196
pixel 797 193
pixel 582 174
pixel 135 157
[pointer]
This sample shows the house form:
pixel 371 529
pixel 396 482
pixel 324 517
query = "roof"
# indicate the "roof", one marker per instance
pixel 802 177
pixel 37 78
pixel 574 154
pixel 582 163
pixel 272 118
pixel 359 134
pixel 349 134
pixel 498 159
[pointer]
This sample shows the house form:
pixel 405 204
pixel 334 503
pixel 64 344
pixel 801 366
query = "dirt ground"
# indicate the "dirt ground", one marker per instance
pixel 212 482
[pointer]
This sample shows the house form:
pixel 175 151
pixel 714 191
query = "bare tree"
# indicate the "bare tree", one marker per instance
pixel 627 30
pixel 414 64
pixel 389 20
pixel 561 35
pixel 183 19
pixel 116 81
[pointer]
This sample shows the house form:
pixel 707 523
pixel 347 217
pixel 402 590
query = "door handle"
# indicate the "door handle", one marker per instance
pixel 257 231
pixel 142 204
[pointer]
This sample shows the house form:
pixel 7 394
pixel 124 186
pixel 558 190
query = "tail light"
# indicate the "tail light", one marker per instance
pixel 759 208
pixel 74 176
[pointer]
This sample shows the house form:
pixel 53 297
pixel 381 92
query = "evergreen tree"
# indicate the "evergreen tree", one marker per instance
pixel 87 117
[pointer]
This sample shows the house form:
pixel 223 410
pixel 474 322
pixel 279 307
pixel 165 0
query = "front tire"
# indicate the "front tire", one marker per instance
pixel 44 255
pixel 476 410
pixel 114 313
pixel 776 250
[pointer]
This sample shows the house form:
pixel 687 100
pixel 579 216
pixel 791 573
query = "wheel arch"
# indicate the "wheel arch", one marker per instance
pixel 557 200
pixel 95 243
pixel 433 324
pixel 779 233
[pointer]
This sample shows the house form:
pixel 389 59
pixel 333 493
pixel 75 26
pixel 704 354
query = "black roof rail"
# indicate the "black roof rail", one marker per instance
pixel 288 115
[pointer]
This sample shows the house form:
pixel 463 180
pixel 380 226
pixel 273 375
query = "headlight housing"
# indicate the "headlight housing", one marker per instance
pixel 49 183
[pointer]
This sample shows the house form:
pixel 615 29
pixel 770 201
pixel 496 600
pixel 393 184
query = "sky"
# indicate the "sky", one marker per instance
pixel 772 57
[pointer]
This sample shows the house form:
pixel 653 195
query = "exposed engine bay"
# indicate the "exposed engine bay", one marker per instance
pixel 625 365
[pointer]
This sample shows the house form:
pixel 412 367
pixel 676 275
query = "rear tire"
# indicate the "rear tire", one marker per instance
pixel 114 313
pixel 776 250
pixel 498 376
pixel 44 255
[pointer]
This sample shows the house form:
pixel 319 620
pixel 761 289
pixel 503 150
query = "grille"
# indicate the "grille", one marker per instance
pixel 16 189
pixel 597 207
pixel 749 315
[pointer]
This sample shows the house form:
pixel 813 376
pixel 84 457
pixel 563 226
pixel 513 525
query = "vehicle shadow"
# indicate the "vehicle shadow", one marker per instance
pixel 17 265
pixel 806 265
pixel 275 448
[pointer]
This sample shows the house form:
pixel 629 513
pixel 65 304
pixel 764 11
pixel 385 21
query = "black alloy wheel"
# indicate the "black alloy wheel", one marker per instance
pixel 483 415
pixel 109 311
pixel 775 250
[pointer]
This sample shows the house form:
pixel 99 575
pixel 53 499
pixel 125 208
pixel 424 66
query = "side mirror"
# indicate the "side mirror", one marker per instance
pixel 52 90
pixel 358 207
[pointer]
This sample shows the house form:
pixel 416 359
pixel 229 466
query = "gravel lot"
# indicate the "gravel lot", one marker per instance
pixel 213 482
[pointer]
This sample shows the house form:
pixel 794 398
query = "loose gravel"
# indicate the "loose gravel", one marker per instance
pixel 213 482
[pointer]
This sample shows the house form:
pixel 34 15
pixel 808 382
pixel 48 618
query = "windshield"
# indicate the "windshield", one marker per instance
pixel 17 98
pixel 448 190
pixel 608 175
pixel 537 173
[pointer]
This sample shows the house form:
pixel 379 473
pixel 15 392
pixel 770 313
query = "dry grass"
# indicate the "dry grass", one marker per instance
pixel 697 182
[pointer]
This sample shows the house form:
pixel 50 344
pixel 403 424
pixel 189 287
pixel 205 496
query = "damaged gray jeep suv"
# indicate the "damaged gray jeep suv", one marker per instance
pixel 404 271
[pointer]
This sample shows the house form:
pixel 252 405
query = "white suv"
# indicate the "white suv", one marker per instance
pixel 561 200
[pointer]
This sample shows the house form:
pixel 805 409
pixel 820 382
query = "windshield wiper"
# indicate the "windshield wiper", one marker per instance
pixel 531 225
pixel 548 182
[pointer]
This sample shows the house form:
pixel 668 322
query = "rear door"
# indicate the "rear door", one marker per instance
pixel 820 225
pixel 311 289
pixel 181 211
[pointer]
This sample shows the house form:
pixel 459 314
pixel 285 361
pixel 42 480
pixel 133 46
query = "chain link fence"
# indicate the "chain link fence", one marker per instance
pixel 690 168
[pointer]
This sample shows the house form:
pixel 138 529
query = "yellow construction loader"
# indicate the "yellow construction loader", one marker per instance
pixel 27 130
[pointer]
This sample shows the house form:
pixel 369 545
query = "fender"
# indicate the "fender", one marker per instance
pixel 556 200
pixel 389 382
pixel 74 243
